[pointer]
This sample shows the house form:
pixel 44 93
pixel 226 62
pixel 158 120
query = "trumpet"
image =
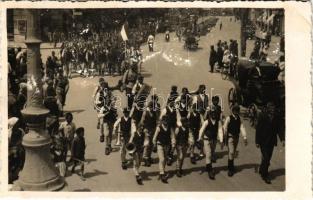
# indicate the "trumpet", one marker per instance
pixel 130 148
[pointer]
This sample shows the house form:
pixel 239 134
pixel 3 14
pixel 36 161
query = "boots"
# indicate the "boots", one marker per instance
pixel 163 178
pixel 179 173
pixel 210 171
pixel 139 180
pixel 231 168
pixel 193 160
pixel 124 165
pixel 147 162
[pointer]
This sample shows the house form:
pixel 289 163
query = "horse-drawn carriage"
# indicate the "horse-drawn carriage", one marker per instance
pixel 191 43
pixel 256 86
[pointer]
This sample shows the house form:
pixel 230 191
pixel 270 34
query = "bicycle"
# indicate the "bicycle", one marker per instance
pixel 225 71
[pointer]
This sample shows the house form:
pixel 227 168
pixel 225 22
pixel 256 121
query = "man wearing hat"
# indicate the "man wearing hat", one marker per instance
pixel 269 126
pixel 232 128
pixel 125 126
pixel 162 140
pixel 209 133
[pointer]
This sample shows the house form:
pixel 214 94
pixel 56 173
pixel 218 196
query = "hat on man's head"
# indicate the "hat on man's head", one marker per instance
pixel 235 108
pixel 125 110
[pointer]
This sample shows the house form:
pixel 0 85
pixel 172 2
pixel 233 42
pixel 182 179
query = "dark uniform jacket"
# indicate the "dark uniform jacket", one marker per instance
pixel 164 136
pixel 213 57
pixel 211 130
pixel 267 130
pixel 233 128
pixel 182 136
pixel 125 127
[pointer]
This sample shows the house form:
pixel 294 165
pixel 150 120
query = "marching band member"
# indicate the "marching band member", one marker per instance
pixel 173 118
pixel 137 139
pixel 209 133
pixel 201 99
pixel 125 126
pixel 98 94
pixel 232 128
pixel 182 138
pixel 107 116
pixel 162 141
pixel 194 127
pixel 218 110
pixel 149 122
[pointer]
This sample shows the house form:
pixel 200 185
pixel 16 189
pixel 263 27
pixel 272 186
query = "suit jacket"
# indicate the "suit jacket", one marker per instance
pixel 267 130
pixel 213 57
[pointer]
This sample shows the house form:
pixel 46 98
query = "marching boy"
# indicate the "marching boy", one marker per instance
pixel 180 142
pixel 209 133
pixel 137 139
pixel 232 128
pixel 124 125
pixel 149 122
pixel 162 140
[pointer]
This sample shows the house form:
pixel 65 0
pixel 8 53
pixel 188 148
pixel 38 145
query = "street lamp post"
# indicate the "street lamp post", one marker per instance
pixel 39 172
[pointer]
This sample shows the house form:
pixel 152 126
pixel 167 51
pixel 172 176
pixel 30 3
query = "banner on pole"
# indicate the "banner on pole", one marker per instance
pixel 123 34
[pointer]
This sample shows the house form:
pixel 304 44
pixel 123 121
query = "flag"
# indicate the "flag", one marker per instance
pixel 123 34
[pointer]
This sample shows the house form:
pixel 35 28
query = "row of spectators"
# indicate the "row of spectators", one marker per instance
pixel 87 53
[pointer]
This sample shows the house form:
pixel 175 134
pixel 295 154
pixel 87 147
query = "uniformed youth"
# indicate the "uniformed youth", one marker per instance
pixel 124 126
pixel 183 137
pixel 194 127
pixel 162 140
pixel 218 113
pixel 173 120
pixel 209 133
pixel 107 116
pixel 232 128
pixel 137 138
pixel 149 122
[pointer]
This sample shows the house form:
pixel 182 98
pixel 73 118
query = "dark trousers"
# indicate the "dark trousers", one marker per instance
pixel 267 152
pixel 130 97
pixel 212 66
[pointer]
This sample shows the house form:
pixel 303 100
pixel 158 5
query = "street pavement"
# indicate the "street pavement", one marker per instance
pixel 169 64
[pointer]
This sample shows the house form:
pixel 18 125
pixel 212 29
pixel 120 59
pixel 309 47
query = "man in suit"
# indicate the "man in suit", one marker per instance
pixel 269 125
pixel 213 58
